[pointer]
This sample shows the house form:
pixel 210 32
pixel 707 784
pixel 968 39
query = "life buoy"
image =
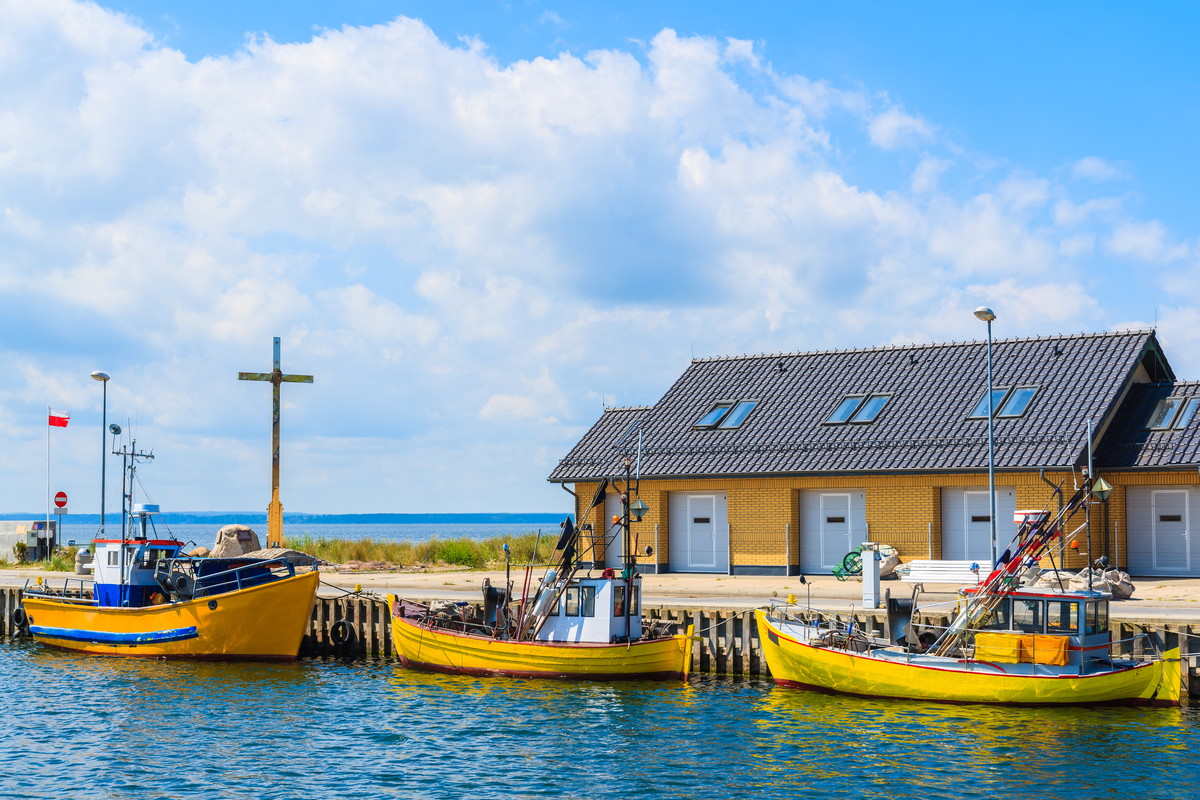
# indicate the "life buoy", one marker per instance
pixel 341 633
pixel 20 618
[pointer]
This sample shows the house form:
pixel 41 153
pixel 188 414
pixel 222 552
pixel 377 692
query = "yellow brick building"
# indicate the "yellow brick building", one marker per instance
pixel 782 464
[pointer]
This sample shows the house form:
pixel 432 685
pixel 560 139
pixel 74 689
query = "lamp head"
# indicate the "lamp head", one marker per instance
pixel 100 376
pixel 985 314
pixel 114 429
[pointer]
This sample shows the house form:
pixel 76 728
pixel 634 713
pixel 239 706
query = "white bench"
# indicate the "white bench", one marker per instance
pixel 959 572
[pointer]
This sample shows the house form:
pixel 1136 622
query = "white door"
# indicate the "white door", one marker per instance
pixel 698 535
pixel 967 523
pixel 1160 532
pixel 831 525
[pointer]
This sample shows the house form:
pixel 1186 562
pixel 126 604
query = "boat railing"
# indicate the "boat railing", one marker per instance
pixel 83 592
pixel 183 576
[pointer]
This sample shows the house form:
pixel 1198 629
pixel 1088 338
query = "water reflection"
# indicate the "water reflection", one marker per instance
pixel 118 728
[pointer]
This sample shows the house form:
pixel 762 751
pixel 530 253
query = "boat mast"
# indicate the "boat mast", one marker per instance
pixel 129 456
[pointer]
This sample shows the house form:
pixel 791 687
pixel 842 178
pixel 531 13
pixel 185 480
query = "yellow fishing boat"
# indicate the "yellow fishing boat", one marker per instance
pixel 1007 644
pixel 571 626
pixel 147 599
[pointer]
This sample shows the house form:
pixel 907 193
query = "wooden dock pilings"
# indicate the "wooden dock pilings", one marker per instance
pixel 359 626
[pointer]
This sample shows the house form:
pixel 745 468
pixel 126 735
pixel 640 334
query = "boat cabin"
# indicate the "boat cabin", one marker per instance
pixel 1046 627
pixel 594 610
pixel 125 568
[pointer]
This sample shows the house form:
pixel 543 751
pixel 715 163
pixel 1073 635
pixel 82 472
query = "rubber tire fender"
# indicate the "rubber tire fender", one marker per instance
pixel 341 633
pixel 20 619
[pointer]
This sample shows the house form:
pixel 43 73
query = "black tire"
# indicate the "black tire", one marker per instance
pixel 341 633
pixel 20 619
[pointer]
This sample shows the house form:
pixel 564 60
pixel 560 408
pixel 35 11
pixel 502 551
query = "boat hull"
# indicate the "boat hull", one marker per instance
pixel 265 622
pixel 794 662
pixel 436 650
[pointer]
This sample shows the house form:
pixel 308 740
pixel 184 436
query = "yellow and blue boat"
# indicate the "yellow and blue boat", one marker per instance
pixel 147 599
pixel 1008 644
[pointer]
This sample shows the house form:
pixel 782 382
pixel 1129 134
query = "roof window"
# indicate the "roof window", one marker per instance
pixel 1005 402
pixel 726 414
pixel 1173 412
pixel 858 408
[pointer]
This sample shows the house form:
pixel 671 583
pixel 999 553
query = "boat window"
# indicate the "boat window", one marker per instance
pixel 572 601
pixel 618 601
pixel 1027 615
pixel 587 600
pixel 1062 616
pixel 633 604
pixel 112 558
pixel 1000 618
pixel 1097 617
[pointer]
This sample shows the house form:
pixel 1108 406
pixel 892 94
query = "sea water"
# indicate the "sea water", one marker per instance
pixel 77 726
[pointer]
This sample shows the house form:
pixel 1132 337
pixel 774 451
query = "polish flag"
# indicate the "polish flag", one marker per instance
pixel 59 419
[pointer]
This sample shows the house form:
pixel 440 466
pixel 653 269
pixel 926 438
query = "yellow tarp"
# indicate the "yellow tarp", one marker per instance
pixel 1003 648
pixel 1045 649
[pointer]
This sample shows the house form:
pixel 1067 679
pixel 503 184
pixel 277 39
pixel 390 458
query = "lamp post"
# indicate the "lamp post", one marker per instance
pixel 987 315
pixel 103 378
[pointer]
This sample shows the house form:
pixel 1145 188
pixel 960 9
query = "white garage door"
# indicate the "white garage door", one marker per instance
pixel 1160 540
pixel 831 525
pixel 967 523
pixel 698 534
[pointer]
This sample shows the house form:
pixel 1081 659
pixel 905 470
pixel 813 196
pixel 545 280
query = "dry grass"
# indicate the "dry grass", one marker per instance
pixel 459 552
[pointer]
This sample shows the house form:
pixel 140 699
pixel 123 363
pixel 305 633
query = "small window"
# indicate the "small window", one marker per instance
pixel 726 414
pixel 845 409
pixel 739 413
pixel 870 409
pixel 112 558
pixel 572 601
pixel 858 408
pixel 1018 400
pixel 587 601
pixel 618 601
pixel 1062 616
pixel 1097 618
pixel 981 408
pixel 1164 413
pixel 1189 411
pixel 714 415
pixel 1027 615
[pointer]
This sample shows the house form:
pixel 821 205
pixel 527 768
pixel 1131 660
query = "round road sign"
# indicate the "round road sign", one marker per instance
pixel 60 499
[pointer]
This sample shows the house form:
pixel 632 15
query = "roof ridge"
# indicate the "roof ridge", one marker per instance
pixel 927 345
pixel 627 408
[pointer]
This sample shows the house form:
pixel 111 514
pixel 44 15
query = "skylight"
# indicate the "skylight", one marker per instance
pixel 1005 402
pixel 1173 412
pixel 726 414
pixel 858 408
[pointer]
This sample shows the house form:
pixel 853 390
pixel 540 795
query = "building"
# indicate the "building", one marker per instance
pixel 781 464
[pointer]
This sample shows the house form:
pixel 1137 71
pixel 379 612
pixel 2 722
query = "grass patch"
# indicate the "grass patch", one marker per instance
pixel 458 552
pixel 61 560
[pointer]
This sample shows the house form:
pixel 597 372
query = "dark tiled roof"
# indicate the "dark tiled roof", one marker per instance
pixel 923 427
pixel 1130 444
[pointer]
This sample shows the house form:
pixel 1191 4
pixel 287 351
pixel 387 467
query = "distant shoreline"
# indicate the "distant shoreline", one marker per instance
pixel 260 518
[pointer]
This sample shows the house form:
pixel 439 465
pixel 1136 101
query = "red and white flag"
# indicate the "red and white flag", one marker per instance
pixel 59 419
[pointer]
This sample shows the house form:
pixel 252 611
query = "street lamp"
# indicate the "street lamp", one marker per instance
pixel 987 315
pixel 103 378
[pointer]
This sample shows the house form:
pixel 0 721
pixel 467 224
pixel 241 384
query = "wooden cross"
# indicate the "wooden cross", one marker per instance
pixel 276 377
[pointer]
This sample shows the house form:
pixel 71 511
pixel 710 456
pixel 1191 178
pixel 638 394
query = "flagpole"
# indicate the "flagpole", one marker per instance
pixel 48 410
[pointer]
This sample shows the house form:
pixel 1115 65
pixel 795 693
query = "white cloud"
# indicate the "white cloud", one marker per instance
pixel 1096 169
pixel 893 129
pixel 474 251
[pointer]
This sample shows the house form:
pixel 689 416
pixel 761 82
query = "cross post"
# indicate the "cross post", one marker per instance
pixel 275 378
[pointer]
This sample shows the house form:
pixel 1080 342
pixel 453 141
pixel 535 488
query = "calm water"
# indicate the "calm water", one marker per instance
pixel 113 728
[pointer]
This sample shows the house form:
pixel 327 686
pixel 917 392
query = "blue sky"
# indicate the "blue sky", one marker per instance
pixel 478 223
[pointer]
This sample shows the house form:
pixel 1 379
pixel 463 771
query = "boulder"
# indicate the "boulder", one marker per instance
pixel 199 552
pixel 234 541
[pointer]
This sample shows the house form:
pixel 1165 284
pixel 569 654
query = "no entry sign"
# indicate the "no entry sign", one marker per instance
pixel 60 499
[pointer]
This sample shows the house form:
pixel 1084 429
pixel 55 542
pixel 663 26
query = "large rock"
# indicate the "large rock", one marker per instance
pixel 234 541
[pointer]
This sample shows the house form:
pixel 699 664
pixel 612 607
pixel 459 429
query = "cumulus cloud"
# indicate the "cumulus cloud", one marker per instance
pixel 469 254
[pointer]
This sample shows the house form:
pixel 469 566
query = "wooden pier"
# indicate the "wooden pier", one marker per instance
pixel 359 626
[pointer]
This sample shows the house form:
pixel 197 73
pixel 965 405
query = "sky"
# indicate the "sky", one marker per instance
pixel 478 224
